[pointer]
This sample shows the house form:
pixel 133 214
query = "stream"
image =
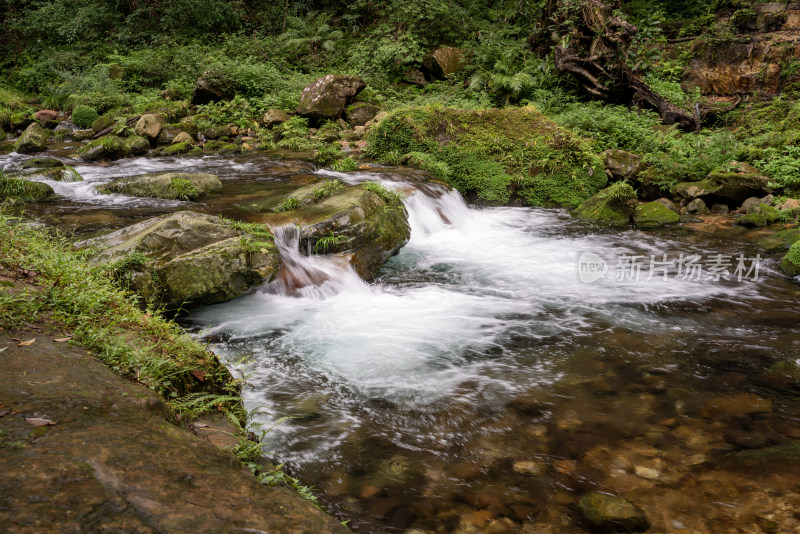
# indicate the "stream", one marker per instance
pixel 483 381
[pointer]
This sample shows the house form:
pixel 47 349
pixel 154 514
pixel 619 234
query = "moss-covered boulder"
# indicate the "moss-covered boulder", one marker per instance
pixel 23 191
pixel 149 125
pixel 492 156
pixel 188 259
pixel 759 216
pixel 170 132
pixel 64 173
pixel 697 207
pixel 613 206
pixel 33 139
pixel 613 513
pixel 327 97
pixel 101 123
pixel 20 121
pixel 41 163
pixel 653 215
pixel 791 261
pixel 218 132
pixel 622 165
pixel 169 185
pixel 137 145
pixel 177 149
pixel 366 223
pixel 728 187
pixel 109 147
pixel 183 137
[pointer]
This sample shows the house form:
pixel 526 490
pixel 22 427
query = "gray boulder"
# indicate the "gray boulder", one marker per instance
pixel 169 185
pixel 328 96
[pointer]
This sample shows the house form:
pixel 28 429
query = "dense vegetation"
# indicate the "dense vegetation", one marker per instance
pixel 126 58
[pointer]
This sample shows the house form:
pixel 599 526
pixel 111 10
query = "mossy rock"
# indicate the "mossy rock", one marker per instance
pixel 653 215
pixel 352 221
pixel 42 163
pixel 228 149
pixel 791 261
pixel 327 97
pixel 189 259
pixel 212 146
pixel 137 145
pixel 33 139
pixel 109 147
pixel 24 191
pixel 614 206
pixel 759 216
pixel 169 185
pixel 20 121
pixel 216 132
pixel 726 186
pixel 65 173
pixel 493 156
pixel 177 149
pixel 101 123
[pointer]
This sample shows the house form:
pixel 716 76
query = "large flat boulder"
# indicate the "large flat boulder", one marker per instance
pixel 188 259
pixel 328 96
pixel 169 185
pixel 730 187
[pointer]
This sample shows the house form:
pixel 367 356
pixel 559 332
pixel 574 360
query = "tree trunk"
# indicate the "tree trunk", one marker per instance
pixel 594 48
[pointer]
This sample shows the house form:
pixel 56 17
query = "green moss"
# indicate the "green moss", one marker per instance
pixel 791 261
pixel 107 147
pixel 23 191
pixel 184 189
pixel 654 214
pixel 228 149
pixel 761 215
pixel 177 149
pixel 613 206
pixel 493 155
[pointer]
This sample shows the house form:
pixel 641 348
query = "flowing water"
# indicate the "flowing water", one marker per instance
pixel 478 384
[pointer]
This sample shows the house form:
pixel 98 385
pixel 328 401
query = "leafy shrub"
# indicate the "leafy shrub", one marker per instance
pixel 783 168
pixel 84 116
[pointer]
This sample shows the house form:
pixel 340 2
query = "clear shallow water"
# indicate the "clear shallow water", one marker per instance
pixel 477 384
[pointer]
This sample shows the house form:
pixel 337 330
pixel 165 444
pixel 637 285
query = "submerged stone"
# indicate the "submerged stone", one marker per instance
pixel 609 511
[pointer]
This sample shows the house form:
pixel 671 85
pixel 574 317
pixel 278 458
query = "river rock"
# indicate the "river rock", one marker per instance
pixel 414 76
pixel 170 185
pixel 64 173
pixel 613 206
pixel 42 163
pixel 623 165
pixel 739 405
pixel 328 96
pixel 149 125
pixel 443 62
pixel 45 115
pixel 24 191
pixel 759 215
pixel 137 144
pixel 667 203
pixel 369 227
pixel 790 204
pixel 207 89
pixel 216 132
pixel 192 259
pixel 82 135
pixel 33 139
pixel 109 147
pixel 182 137
pixel 729 187
pixel 101 123
pixel 360 113
pixel 791 261
pixel 654 214
pixel 611 512
pixel 273 117
pixel 697 207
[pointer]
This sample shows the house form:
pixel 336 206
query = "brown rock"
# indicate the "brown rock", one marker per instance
pixel 328 96
pixel 45 115
pixel 443 62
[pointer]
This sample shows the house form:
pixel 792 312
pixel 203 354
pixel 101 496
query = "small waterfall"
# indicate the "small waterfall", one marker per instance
pixel 322 276
pixel 315 277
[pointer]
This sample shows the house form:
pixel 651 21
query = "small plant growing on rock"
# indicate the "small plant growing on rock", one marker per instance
pixel 328 242
pixel 392 197
pixel 184 189
pixel 327 189
pixel 346 164
pixel 288 204
pixel 84 116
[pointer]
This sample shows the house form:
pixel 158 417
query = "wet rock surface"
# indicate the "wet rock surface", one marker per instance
pixel 86 451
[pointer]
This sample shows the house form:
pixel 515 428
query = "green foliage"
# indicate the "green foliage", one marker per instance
pixel 84 116
pixel 288 204
pixel 493 154
pixel 328 188
pixel 22 191
pixel 310 35
pixel 345 164
pixel 121 269
pixel 392 197
pixel 184 189
pixel 327 154
pixel 328 242
pixel 783 168
pixel 294 135
pixel 237 111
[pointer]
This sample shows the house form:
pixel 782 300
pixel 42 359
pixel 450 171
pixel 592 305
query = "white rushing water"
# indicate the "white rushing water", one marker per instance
pixel 446 309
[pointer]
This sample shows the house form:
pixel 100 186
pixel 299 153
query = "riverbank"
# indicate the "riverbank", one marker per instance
pixel 114 418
